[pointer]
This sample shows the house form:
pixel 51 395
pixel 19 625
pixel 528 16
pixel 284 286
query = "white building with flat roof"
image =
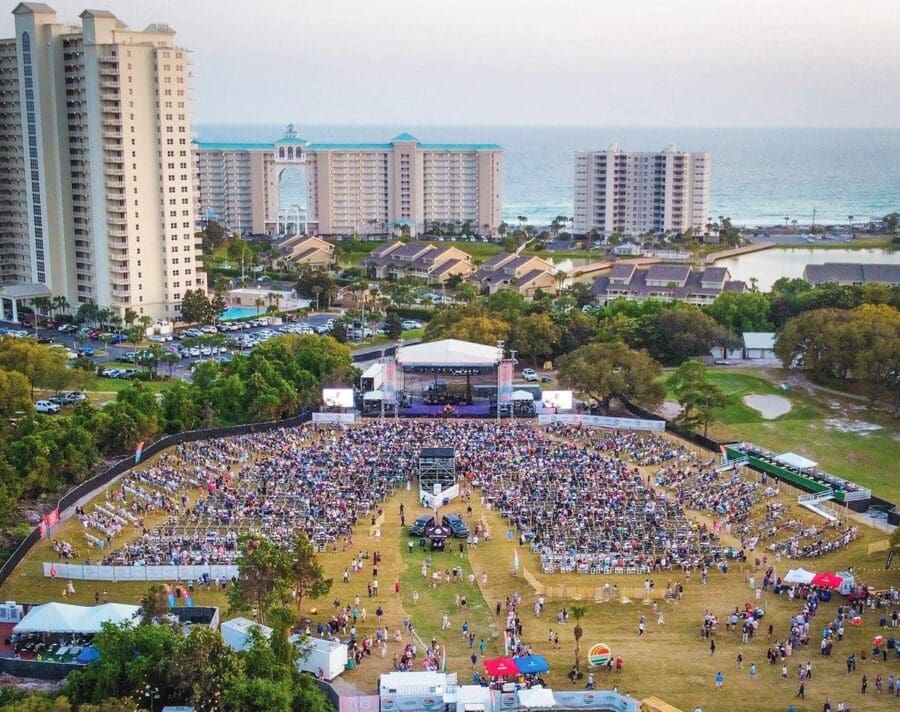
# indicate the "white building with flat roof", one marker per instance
pixel 95 159
pixel 639 193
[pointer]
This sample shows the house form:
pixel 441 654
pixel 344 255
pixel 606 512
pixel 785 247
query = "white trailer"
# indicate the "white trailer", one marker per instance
pixel 319 654
pixel 236 632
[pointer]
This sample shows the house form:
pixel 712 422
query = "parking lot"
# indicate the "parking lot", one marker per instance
pixel 190 346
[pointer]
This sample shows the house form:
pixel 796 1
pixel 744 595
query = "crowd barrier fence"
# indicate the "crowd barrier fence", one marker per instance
pixel 83 572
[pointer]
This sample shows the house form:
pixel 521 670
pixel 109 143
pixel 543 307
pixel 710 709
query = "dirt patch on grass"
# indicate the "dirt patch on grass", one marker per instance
pixel 669 409
pixel 769 407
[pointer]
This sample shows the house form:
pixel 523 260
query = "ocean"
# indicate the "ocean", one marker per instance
pixel 759 175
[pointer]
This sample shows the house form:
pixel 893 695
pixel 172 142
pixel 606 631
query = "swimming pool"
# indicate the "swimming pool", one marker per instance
pixel 235 313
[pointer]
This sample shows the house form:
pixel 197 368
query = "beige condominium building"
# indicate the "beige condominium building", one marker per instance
pixel 402 185
pixel 97 198
pixel 638 193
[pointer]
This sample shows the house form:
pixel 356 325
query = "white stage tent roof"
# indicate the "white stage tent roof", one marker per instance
pixel 449 353
pixel 792 459
pixel 68 618
pixel 522 396
pixel 373 396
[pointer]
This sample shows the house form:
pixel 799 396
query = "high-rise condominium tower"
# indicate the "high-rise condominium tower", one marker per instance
pixel 635 193
pixel 96 199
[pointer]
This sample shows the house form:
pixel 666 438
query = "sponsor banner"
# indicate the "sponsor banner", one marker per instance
pixel 389 388
pixel 587 699
pixel 599 654
pixel 392 703
pixel 504 381
pixel 48 521
pixel 359 703
pixel 600 421
pixel 346 418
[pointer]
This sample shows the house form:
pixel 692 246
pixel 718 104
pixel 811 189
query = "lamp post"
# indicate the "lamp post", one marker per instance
pixel 152 695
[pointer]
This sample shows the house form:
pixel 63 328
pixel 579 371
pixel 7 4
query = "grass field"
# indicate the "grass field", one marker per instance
pixel 868 458
pixel 671 661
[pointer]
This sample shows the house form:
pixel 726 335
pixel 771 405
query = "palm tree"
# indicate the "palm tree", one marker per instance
pixel 259 303
pixel 41 305
pixel 561 277
pixel 578 612
pixel 130 316
pixel 317 290
pixel 61 304
pixel 787 219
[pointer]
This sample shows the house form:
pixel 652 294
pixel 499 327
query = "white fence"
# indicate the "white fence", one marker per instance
pixel 82 572
pixel 599 421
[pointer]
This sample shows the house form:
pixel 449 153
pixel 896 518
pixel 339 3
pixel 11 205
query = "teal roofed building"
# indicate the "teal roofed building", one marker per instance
pixel 401 186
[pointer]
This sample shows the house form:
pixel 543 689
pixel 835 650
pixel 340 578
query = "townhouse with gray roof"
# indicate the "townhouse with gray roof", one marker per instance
pixel 666 282
pixel 525 273
pixel 852 273
pixel 396 259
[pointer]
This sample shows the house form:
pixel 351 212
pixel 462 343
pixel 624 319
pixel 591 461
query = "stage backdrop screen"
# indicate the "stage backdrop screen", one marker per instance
pixel 561 400
pixel 337 397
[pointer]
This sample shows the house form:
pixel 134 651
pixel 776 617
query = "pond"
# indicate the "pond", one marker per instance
pixel 770 265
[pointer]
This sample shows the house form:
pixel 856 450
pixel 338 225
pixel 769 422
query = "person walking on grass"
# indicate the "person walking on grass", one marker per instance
pixel 720 680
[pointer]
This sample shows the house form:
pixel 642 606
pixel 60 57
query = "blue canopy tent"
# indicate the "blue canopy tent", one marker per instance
pixel 88 655
pixel 532 664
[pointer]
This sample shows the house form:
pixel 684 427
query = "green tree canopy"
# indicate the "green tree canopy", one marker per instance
pixel 698 397
pixel 601 371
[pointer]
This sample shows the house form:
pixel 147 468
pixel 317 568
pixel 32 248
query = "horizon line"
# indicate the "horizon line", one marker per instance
pixel 566 126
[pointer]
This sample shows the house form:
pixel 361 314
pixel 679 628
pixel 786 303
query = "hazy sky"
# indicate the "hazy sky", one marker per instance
pixel 589 62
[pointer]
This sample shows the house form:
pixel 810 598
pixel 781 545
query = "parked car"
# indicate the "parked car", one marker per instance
pixel 76 396
pixel 529 374
pixel 67 328
pixel 455 524
pixel 118 338
pixel 420 525
pixel 46 406
pixel 86 351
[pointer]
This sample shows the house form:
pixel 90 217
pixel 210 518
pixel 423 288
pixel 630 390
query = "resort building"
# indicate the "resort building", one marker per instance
pixel 850 273
pixel 525 273
pixel 639 193
pixel 236 185
pixel 664 282
pixel 398 187
pixel 307 250
pixel 95 156
pixel 418 259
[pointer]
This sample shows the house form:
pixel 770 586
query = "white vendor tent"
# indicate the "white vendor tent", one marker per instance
pixel 471 698
pixel 792 459
pixel 798 576
pixel 320 654
pixel 522 396
pixel 449 353
pixel 236 632
pixel 68 618
pixel 373 396
pixel 537 697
